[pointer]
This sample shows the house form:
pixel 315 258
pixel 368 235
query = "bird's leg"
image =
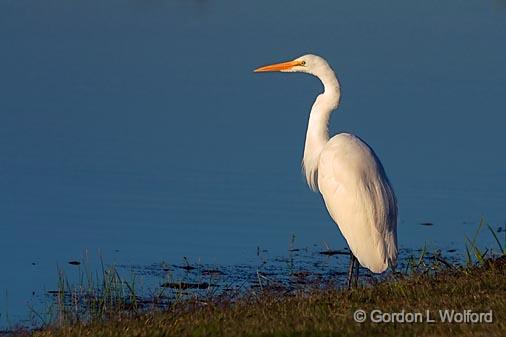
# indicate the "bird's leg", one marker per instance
pixel 357 272
pixel 351 269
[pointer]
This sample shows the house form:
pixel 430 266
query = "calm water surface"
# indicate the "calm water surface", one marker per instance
pixel 137 129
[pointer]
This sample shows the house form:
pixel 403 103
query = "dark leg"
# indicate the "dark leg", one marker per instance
pixel 351 269
pixel 357 272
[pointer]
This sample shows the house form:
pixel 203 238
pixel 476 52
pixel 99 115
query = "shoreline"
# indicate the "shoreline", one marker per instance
pixel 463 295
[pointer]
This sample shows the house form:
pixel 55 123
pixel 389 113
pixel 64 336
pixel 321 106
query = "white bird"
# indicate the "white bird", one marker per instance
pixel 348 174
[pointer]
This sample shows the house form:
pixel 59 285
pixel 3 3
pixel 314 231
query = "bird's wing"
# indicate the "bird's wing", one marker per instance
pixel 359 198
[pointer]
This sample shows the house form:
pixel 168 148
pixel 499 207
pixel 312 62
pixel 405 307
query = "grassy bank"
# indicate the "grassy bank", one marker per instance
pixel 329 311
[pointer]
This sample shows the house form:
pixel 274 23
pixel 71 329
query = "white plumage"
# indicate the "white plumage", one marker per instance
pixel 359 198
pixel 348 174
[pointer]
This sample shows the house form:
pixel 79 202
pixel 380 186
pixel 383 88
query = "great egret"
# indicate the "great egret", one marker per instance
pixel 348 174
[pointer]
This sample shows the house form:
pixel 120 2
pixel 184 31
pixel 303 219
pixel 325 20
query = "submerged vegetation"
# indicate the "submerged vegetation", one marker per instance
pixel 427 287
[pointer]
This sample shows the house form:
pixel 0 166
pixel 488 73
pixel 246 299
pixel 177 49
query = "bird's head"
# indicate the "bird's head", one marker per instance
pixel 311 64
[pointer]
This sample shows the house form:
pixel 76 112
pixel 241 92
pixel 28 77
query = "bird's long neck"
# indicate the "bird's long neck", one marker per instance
pixel 317 134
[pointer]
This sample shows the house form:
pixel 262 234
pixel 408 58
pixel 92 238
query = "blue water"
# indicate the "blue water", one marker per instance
pixel 137 130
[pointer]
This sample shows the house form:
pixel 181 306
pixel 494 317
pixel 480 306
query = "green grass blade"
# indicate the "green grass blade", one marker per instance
pixel 496 238
pixel 478 230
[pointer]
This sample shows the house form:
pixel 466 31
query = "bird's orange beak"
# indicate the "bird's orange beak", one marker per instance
pixel 278 66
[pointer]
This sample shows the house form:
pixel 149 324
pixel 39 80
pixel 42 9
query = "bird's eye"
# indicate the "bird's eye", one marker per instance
pixel 302 63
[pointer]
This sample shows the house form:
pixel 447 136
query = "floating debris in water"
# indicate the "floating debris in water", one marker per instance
pixel 499 230
pixel 74 263
pixel 426 224
pixel 451 250
pixel 56 292
pixel 334 252
pixel 187 267
pixel 186 285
